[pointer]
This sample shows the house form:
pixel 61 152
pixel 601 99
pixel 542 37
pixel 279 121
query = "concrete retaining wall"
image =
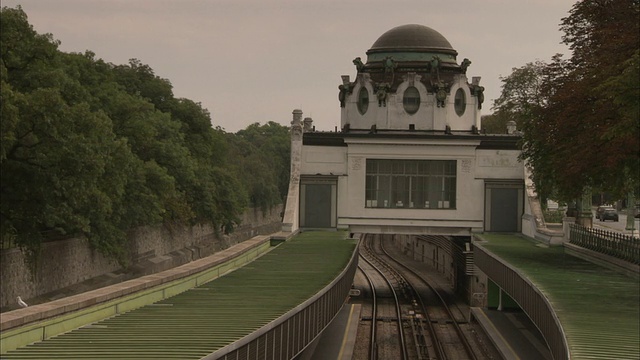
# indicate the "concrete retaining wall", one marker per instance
pixel 435 254
pixel 70 262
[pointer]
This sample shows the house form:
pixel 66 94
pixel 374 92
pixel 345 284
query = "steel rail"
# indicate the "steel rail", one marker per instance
pixel 374 314
pixel 459 331
pixel 403 344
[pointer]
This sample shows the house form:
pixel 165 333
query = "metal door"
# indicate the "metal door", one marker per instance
pixel 504 210
pixel 317 206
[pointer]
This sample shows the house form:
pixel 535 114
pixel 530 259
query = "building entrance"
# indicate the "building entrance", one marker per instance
pixel 318 203
pixel 503 207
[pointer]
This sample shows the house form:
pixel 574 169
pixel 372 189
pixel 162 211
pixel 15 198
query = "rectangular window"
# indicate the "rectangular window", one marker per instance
pixel 411 184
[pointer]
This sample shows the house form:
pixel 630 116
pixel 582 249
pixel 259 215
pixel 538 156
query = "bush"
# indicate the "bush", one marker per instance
pixel 553 216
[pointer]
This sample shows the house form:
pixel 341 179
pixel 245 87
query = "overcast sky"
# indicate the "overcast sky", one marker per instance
pixel 252 61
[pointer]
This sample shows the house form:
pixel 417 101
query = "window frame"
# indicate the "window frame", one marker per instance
pixel 411 101
pixel 411 184
pixel 460 102
pixel 363 101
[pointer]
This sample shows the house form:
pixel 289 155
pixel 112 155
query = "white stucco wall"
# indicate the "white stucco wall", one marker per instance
pixel 393 116
pixel 467 215
pixel 474 168
pixel 324 160
pixel 498 164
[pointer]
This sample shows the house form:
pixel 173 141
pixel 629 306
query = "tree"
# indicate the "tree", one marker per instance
pixel 264 150
pixel 521 100
pixel 495 123
pixel 177 134
pixel 58 173
pixel 64 170
pixel 586 134
pixel 521 96
pixel 139 79
pixel 96 149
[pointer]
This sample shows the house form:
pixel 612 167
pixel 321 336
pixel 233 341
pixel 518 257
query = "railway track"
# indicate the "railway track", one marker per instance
pixel 425 326
pixel 447 343
pixel 369 270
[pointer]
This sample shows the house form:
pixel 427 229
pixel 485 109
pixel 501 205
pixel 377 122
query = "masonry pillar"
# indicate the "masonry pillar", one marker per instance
pixel 631 204
pixel 290 220
pixel 585 216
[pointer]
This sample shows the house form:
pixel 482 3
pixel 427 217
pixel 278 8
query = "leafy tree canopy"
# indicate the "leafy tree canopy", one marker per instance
pixel 262 153
pixel 495 123
pixel 94 148
pixel 522 94
pixel 580 115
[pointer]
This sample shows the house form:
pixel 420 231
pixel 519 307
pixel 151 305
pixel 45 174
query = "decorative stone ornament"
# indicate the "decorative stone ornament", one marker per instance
pixel 465 64
pixel 441 94
pixel 358 63
pixel 381 94
pixel 411 70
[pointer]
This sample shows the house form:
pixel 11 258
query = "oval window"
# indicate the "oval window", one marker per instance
pixel 460 102
pixel 363 100
pixel 411 100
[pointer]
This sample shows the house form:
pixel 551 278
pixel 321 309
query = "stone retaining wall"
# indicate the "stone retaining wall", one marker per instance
pixel 70 262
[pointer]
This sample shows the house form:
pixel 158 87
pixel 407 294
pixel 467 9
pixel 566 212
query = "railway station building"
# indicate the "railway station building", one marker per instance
pixel 412 165
pixel 411 156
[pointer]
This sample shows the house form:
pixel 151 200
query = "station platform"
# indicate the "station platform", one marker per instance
pixel 512 334
pixel 597 307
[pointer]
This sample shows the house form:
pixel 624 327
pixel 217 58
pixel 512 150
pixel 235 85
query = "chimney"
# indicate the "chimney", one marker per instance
pixel 296 125
pixel 297 116
pixel 307 124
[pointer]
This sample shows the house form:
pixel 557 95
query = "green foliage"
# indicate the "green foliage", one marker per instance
pixel 495 123
pixel 521 94
pixel 263 155
pixel 139 79
pixel 583 131
pixel 97 149
pixel 57 151
pixel 553 216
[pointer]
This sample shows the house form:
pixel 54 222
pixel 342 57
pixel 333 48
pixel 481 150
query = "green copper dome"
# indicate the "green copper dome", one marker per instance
pixel 411 42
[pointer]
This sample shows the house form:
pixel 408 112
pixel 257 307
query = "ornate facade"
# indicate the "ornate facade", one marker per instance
pixel 411 157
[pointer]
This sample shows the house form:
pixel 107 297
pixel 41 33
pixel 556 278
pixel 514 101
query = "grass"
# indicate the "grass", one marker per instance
pixel 599 309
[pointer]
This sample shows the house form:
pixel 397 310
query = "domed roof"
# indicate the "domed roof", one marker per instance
pixel 412 38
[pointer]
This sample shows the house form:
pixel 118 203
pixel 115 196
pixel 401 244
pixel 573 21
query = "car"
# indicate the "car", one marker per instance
pixel 609 214
pixel 601 209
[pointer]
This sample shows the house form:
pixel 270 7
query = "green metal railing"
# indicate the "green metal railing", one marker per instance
pixel 621 246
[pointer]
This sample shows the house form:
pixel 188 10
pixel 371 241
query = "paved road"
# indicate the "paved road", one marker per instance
pixel 617 226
